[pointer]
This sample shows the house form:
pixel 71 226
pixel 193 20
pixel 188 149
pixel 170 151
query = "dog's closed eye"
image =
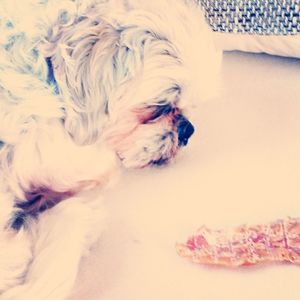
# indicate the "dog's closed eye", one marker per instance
pixel 161 110
pixel 153 112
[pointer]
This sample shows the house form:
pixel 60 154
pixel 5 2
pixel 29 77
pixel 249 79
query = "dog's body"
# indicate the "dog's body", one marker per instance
pixel 86 87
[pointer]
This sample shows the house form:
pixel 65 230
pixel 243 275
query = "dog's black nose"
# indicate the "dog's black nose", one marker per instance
pixel 185 130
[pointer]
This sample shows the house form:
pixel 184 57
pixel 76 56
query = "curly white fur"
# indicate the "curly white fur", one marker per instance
pixel 124 73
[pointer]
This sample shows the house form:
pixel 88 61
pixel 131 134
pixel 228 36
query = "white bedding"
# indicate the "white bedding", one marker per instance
pixel 283 45
pixel 242 165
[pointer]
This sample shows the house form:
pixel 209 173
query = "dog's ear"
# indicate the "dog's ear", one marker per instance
pixel 82 54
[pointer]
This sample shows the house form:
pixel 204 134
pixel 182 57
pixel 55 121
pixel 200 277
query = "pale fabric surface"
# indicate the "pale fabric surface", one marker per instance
pixel 272 44
pixel 242 165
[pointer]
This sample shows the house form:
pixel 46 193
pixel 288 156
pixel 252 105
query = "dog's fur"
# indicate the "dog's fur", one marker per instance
pixel 86 87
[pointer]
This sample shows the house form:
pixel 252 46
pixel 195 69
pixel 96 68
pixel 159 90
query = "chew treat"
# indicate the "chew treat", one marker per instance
pixel 278 241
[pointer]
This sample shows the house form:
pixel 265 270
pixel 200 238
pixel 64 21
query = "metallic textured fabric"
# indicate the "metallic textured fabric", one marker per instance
pixel 268 17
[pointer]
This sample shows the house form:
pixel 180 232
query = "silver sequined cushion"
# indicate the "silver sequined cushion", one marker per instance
pixel 268 17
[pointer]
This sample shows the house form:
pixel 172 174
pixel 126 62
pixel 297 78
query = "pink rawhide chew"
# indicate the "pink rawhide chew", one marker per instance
pixel 245 245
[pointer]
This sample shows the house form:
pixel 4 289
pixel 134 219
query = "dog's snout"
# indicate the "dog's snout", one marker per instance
pixel 185 130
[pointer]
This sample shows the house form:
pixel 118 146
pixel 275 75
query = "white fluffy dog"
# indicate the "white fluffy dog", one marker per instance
pixel 86 87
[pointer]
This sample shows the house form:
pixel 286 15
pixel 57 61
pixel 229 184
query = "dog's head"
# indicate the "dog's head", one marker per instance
pixel 150 134
pixel 125 78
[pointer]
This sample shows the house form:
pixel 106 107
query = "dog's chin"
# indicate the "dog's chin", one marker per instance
pixel 129 163
pixel 148 145
pixel 133 163
pixel 145 157
pixel 152 136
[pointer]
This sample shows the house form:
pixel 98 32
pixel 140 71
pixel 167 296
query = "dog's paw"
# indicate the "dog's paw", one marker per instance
pixel 15 293
pixel 39 291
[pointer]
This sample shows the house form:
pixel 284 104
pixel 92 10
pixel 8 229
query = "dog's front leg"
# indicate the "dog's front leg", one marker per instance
pixel 64 233
pixel 15 257
pixel 15 246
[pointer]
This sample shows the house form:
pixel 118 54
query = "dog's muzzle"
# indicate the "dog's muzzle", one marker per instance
pixel 185 130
